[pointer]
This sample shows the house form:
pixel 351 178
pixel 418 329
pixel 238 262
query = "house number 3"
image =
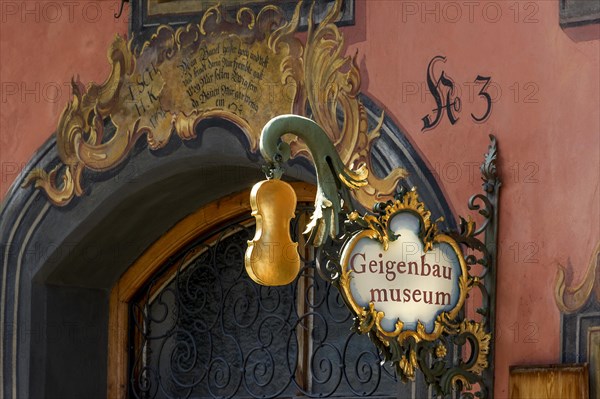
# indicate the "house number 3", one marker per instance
pixel 447 101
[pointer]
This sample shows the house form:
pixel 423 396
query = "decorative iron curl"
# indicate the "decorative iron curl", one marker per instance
pixel 327 261
pixel 487 211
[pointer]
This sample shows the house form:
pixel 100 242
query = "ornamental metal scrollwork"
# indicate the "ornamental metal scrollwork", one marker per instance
pixel 245 71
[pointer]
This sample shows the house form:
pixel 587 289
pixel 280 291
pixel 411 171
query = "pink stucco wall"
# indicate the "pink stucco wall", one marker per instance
pixel 545 114
pixel 43 44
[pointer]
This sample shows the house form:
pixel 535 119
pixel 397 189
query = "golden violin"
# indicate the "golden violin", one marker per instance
pixel 272 257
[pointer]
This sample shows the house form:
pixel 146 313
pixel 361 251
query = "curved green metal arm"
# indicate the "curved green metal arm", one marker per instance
pixel 333 178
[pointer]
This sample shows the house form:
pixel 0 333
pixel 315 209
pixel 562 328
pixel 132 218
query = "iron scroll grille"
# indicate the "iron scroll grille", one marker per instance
pixel 203 329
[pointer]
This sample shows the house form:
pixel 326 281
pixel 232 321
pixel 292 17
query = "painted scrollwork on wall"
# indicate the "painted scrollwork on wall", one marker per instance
pixel 245 71
pixel 579 304
pixel 571 298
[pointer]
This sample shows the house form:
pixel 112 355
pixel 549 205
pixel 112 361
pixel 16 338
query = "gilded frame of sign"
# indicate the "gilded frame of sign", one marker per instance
pixel 378 229
pixel 400 344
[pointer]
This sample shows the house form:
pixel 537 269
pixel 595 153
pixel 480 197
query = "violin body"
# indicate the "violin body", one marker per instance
pixel 272 257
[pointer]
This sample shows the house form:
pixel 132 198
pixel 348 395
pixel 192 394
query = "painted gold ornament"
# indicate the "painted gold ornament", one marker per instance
pixel 245 70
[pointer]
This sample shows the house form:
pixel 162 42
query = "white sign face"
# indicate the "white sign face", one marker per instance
pixel 404 282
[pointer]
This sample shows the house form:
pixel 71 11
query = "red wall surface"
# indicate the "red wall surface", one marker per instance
pixel 545 113
pixel 43 44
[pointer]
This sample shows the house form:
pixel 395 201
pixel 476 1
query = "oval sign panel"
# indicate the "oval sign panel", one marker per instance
pixel 400 275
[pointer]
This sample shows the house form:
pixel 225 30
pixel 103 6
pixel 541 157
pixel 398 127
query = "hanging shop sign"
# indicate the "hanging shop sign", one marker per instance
pixel 405 281
pixel 414 276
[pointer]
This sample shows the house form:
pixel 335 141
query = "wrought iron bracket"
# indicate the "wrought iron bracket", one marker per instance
pixel 490 212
